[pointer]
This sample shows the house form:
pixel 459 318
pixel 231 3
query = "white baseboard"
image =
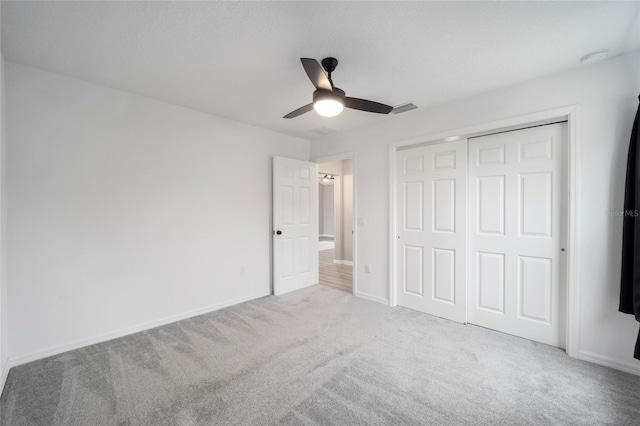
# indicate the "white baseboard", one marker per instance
pixel 55 350
pixel 609 362
pixel 371 298
pixel 327 235
pixel 343 262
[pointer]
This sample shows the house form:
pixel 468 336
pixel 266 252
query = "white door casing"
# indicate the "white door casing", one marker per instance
pixel 347 218
pixel 431 229
pixel 295 225
pixel 515 279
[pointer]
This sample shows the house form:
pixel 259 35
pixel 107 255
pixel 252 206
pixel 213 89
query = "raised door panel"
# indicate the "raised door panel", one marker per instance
pixel 413 270
pixel 414 206
pixel 303 252
pixel 445 160
pixel 534 150
pixel 287 257
pixel 444 205
pixel 444 275
pixel 286 204
pixel 490 155
pixel 490 281
pixel 534 285
pixel 305 206
pixel 535 204
pixel 490 205
pixel 413 164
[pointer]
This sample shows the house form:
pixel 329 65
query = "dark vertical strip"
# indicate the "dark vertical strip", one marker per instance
pixel 630 277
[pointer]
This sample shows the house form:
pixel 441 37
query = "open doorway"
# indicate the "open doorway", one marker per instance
pixel 335 222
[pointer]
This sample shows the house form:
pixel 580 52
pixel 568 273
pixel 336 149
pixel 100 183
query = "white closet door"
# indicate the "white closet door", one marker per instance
pixel 431 229
pixel 515 241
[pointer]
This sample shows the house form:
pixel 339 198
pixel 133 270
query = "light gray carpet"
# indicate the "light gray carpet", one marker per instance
pixel 317 356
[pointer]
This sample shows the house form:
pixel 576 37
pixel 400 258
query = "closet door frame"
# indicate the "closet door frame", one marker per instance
pixel 569 114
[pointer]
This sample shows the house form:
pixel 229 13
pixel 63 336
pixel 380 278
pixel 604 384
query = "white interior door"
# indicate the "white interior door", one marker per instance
pixel 515 240
pixel 295 225
pixel 431 229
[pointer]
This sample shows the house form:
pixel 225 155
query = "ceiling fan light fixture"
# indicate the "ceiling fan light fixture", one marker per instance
pixel 328 107
pixel 328 100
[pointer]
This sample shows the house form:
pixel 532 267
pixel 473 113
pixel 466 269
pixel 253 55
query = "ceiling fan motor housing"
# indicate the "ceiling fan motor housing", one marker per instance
pixel 336 94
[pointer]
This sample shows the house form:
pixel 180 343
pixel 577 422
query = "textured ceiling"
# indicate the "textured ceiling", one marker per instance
pixel 239 60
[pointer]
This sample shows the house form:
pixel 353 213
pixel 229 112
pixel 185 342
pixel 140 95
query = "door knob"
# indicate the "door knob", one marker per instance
pixel 278 232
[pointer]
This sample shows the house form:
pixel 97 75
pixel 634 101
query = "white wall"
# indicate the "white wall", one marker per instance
pixel 330 168
pixel 4 370
pixel 125 212
pixel 607 95
pixel 327 210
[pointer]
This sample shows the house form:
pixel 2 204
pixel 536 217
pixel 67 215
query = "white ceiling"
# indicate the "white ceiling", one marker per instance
pixel 239 60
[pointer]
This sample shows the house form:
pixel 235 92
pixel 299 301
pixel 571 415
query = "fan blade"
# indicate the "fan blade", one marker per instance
pixel 299 111
pixel 365 105
pixel 316 74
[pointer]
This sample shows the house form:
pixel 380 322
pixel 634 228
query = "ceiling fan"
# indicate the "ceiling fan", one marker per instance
pixel 328 100
pixel 326 179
